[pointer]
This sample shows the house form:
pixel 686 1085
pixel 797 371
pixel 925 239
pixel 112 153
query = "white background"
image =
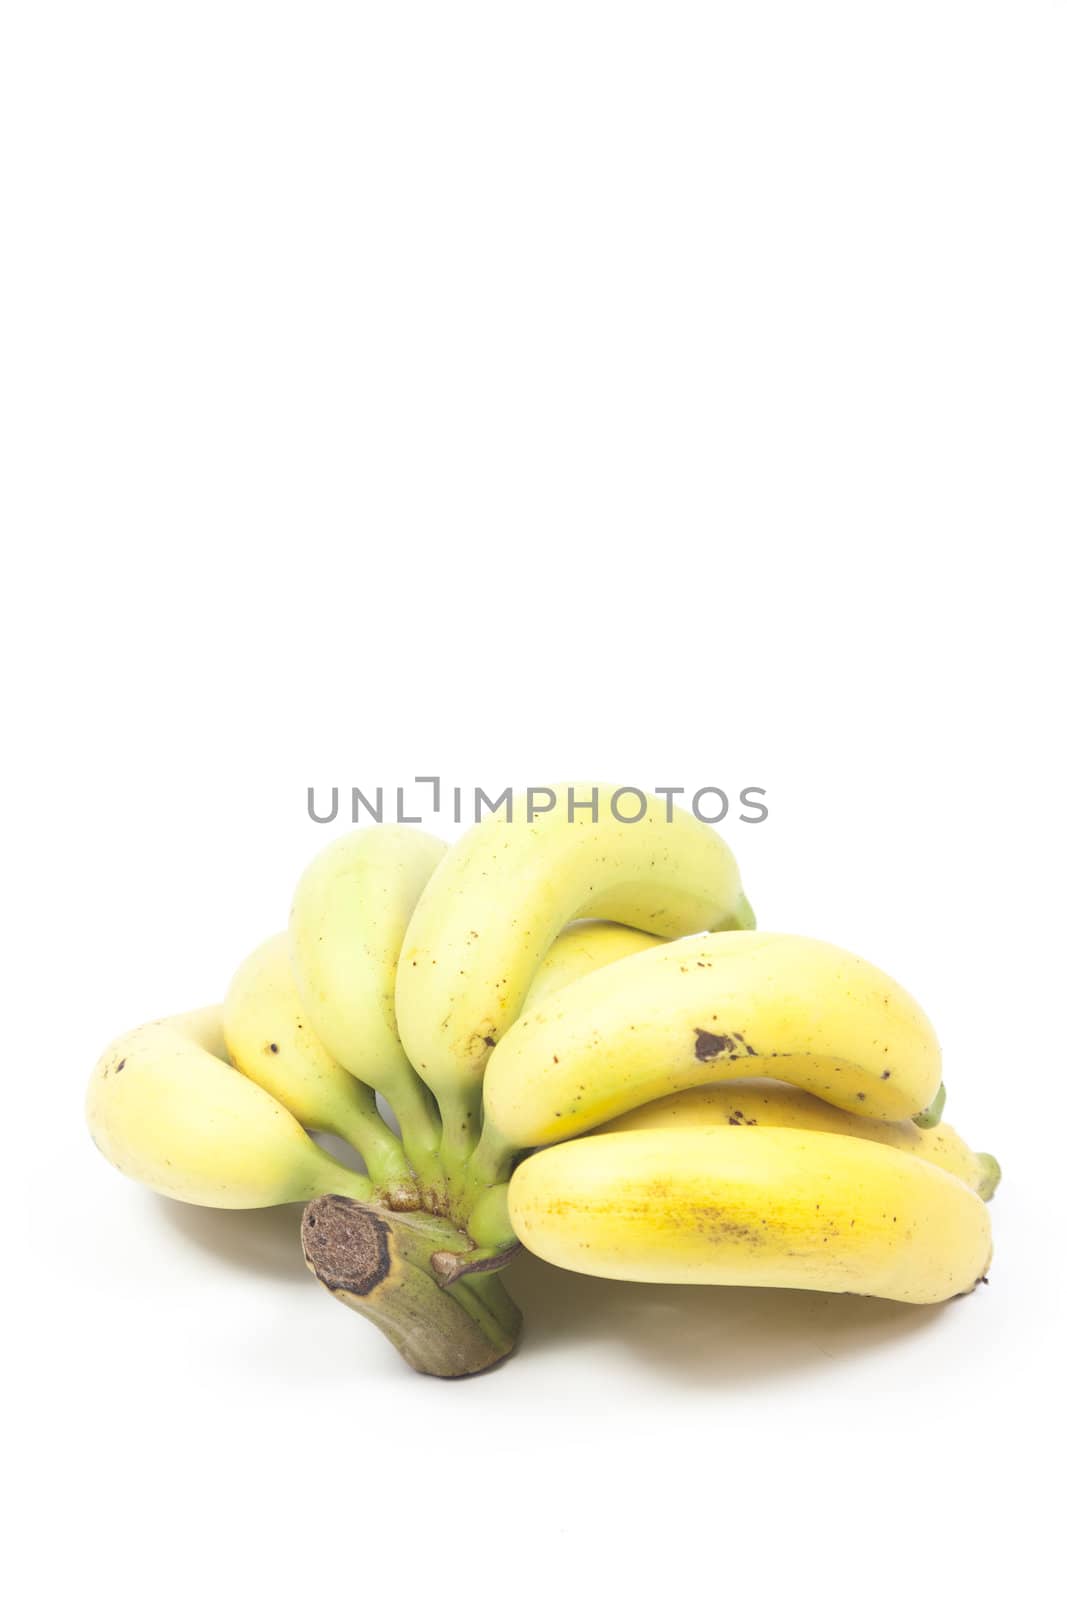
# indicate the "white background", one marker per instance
pixel 655 393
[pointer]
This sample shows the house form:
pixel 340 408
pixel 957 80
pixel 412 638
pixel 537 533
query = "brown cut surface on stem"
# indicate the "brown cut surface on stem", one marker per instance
pixel 346 1245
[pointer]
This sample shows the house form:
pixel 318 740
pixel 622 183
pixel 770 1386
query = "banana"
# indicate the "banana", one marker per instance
pixel 763 1207
pixel 500 897
pixel 349 915
pixel 765 1104
pixel 167 1110
pixel 204 1027
pixel 270 1039
pixel 698 1010
pixel 582 948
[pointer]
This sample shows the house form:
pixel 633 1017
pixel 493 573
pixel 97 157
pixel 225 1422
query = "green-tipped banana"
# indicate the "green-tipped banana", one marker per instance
pixel 755 1103
pixel 502 895
pixel 167 1111
pixel 766 1104
pixel 350 913
pixel 270 1039
pixel 701 1010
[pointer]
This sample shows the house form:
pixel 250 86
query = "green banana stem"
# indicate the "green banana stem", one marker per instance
pixel 491 1308
pixel 338 1179
pixel 460 1121
pixel 934 1111
pixel 489 1289
pixel 379 1264
pixel 489 1226
pixel 359 1123
pixel 387 1164
pixel 490 1223
pixel 420 1133
pixel 450 1267
pixel 491 1162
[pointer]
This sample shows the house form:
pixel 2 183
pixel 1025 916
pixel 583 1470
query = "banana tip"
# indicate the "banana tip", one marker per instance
pixel 934 1111
pixel 990 1178
pixel 744 918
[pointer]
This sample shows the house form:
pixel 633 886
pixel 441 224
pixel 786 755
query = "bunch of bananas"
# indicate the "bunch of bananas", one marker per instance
pixel 766 1107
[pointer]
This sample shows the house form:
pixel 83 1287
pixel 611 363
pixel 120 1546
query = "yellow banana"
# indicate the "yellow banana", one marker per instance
pixel 165 1109
pixel 582 948
pixel 270 1039
pixel 350 911
pixel 699 1010
pixel 765 1104
pixel 760 1207
pixel 203 1027
pixel 500 897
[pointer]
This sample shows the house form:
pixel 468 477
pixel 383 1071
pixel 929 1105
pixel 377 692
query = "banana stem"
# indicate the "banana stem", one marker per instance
pixel 449 1266
pixel 489 1227
pixel 343 1181
pixel 492 1161
pixel 420 1132
pixel 460 1118
pixel 490 1220
pixel 388 1166
pixel 379 1264
pixel 489 1289
pixel 488 1304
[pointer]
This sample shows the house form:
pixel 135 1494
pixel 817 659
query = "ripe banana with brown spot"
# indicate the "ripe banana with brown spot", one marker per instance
pixel 767 1104
pixel 701 1010
pixel 761 1207
pixel 350 912
pixel 167 1109
pixel 502 895
pixel 270 1039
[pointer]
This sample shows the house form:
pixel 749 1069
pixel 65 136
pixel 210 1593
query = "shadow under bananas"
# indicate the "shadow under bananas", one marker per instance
pixel 264 1242
pixel 707 1335
pixel 701 1335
